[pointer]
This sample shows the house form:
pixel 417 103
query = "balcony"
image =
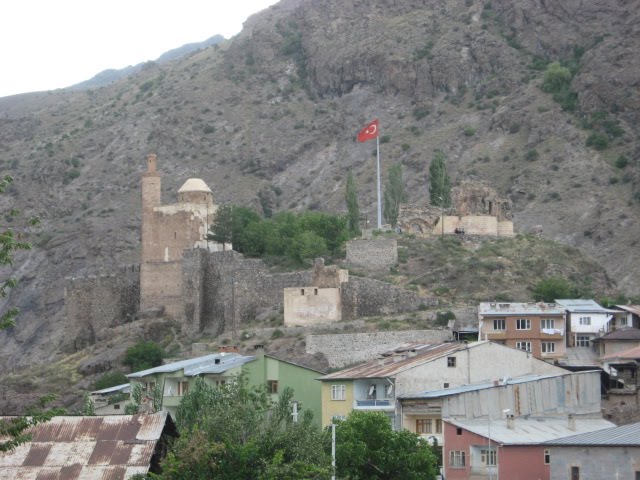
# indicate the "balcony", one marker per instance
pixel 374 404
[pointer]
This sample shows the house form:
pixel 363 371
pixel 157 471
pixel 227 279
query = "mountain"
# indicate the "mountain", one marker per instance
pixel 270 117
pixel 111 75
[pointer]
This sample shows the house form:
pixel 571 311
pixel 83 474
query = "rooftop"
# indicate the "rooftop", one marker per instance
pixel 635 309
pixel 514 308
pixel 624 333
pixel 530 431
pixel 124 388
pixel 194 185
pixel 583 306
pixel 624 436
pixel 213 363
pixel 407 356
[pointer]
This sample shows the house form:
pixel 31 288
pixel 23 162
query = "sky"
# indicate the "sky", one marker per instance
pixel 49 44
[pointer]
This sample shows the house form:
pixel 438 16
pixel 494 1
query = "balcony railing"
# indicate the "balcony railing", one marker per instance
pixel 374 403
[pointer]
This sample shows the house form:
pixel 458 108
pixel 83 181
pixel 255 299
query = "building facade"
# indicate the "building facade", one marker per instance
pixel 586 321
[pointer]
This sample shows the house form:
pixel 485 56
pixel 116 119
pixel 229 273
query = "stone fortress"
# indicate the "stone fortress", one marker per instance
pixel 208 288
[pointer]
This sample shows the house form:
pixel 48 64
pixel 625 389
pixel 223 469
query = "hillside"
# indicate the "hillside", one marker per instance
pixel 275 110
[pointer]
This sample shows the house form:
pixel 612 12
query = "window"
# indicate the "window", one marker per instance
pixel 575 473
pixel 547 323
pixel 623 322
pixel 523 324
pixel 438 425
pixel 338 392
pixel 547 457
pixel 499 324
pixel 451 361
pixel 456 459
pixel 116 406
pixel 445 385
pixel 488 457
pixel 149 386
pixel 458 431
pixel 371 393
pixel 548 347
pixel 585 321
pixel 388 391
pixel 183 387
pixel 315 291
pixel 302 291
pixel 272 386
pixel 582 341
pixel 423 425
pixel 526 346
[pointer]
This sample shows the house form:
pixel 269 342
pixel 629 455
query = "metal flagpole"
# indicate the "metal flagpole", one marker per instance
pixel 379 204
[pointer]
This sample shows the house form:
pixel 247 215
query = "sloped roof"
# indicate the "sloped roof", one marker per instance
pixel 407 356
pixel 124 388
pixel 635 309
pixel 213 363
pixel 624 333
pixel 624 436
pixel 583 306
pixel 630 354
pixel 530 431
pixel 112 447
pixel 522 308
pixel 194 185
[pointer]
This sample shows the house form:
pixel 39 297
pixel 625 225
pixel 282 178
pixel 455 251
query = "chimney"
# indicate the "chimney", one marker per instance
pixel 151 162
pixel 258 349
pixel 572 422
pixel 510 421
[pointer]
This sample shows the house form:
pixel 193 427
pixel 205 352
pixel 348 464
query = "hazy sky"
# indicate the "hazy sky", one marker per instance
pixel 49 44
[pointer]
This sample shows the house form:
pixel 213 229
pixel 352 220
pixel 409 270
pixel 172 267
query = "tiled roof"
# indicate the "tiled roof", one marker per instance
pixel 407 356
pixel 67 448
pixel 515 308
pixel 214 363
pixel 624 436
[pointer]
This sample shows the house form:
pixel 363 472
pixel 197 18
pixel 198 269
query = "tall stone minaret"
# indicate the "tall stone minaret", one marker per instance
pixel 150 199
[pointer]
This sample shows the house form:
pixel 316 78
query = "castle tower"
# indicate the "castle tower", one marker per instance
pixel 151 183
pixel 195 191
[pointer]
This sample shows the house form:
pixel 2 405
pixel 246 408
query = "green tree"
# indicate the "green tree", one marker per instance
pixel 110 379
pixel 222 229
pixel 353 210
pixel 440 184
pixel 367 448
pixel 551 288
pixel 143 355
pixel 394 194
pixel 13 431
pixel 556 78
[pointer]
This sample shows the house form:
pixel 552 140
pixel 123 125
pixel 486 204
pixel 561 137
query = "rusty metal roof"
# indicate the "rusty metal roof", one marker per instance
pixel 407 356
pixel 68 448
pixel 635 309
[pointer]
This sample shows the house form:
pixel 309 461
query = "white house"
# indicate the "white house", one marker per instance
pixel 586 320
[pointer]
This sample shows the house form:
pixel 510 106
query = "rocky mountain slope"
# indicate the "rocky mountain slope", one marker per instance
pixel 270 117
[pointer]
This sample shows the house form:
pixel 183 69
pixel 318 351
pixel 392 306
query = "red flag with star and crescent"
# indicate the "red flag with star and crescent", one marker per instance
pixel 370 131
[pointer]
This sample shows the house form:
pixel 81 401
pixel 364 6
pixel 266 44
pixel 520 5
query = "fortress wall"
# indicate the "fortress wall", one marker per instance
pixel 348 348
pixel 312 306
pixel 505 228
pixel 372 254
pixel 161 285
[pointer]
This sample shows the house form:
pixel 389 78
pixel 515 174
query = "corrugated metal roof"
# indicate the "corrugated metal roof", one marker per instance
pixel 630 354
pixel 407 356
pixel 472 387
pixel 530 431
pixel 213 363
pixel 583 306
pixel 515 308
pixel 124 388
pixel 635 309
pixel 626 435
pixel 74 448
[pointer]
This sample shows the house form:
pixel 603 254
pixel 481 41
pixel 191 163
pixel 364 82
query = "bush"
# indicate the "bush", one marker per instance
pixel 621 162
pixel 110 379
pixel 532 155
pixel 469 131
pixel 385 138
pixel 442 318
pixel 556 78
pixel 597 140
pixel 144 355
pixel 552 288
pixel 277 333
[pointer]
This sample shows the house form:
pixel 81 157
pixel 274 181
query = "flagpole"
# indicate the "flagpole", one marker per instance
pixel 379 204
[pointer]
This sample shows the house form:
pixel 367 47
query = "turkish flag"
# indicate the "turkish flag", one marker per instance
pixel 370 131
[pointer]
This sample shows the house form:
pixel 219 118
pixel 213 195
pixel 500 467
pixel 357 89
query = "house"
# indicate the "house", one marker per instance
pixel 623 370
pixel 114 447
pixel 512 448
pixel 538 328
pixel 532 394
pixel 586 320
pixel 416 367
pixel 609 453
pixel 631 317
pixel 618 340
pixel 174 379
pixel 277 374
pixel 112 400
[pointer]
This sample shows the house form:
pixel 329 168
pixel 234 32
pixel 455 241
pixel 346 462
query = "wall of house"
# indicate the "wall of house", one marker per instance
pixel 615 346
pixel 523 463
pixel 595 462
pixel 347 348
pixel 331 408
pixel 598 323
pixel 462 442
pixel 98 302
pixel 312 306
pixel 372 254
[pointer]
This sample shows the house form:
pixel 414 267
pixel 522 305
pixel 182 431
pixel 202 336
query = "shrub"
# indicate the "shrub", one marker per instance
pixel 597 140
pixel 551 288
pixel 144 355
pixel 469 131
pixel 621 162
pixel 532 155
pixel 405 147
pixel 556 78
pixel 110 379
pixel 385 138
pixel 442 318
pixel 277 333
pixel 420 112
pixel 209 129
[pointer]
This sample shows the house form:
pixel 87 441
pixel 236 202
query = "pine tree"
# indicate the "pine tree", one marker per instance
pixel 353 215
pixel 440 183
pixel 394 194
pixel 222 229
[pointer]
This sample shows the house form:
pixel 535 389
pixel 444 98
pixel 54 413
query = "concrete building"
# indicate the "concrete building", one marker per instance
pixel 412 368
pixel 552 395
pixel 538 328
pixel 630 318
pixel 586 320
pixel 510 448
pixel 608 453
pixel 622 368
pixel 618 340
pixel 112 400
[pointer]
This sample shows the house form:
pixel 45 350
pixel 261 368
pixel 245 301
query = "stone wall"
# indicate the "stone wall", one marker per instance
pixel 98 302
pixel 373 254
pixel 348 348
pixel 161 287
pixel 311 306
pixel 483 225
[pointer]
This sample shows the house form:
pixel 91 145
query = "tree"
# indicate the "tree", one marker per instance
pixel 367 448
pixel 143 355
pixel 551 288
pixel 353 215
pixel 222 229
pixel 394 194
pixel 440 184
